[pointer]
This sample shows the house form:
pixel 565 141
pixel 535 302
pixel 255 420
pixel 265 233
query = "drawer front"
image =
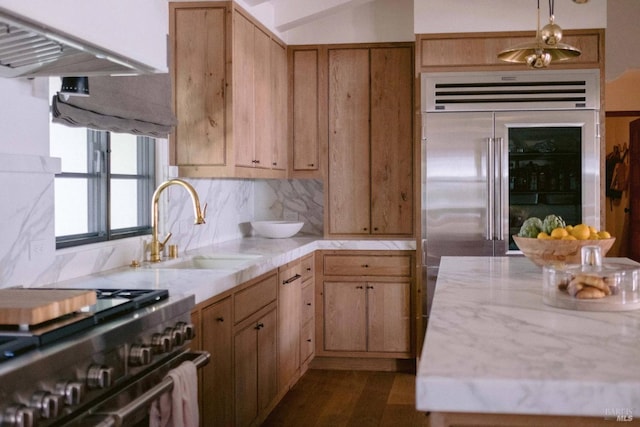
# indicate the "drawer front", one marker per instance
pixel 367 265
pixel 249 300
pixel 306 267
pixel 307 309
pixel 307 341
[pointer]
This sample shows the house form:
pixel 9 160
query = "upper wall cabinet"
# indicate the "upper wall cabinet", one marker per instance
pixel 479 51
pixel 230 93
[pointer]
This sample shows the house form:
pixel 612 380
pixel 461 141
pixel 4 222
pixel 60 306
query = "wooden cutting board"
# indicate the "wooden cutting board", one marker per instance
pixel 33 306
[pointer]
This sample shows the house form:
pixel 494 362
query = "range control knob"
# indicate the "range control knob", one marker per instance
pixel 177 338
pixel 72 392
pixel 99 376
pixel 161 343
pixel 46 404
pixel 187 329
pixel 139 355
pixel 19 416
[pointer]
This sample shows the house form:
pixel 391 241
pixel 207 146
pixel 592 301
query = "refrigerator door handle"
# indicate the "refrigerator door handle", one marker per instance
pixel 490 189
pixel 500 187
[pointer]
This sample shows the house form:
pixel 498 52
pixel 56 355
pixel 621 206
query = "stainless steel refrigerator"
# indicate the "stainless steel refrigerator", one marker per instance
pixel 499 148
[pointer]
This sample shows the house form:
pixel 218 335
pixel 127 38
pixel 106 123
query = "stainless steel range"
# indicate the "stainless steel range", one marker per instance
pixel 103 365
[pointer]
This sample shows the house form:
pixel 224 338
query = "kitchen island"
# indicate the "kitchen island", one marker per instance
pixel 494 354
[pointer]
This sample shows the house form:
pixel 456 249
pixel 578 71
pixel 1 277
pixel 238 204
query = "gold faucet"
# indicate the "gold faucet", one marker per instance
pixel 156 245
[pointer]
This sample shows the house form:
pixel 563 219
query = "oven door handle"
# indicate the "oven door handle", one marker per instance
pixel 116 418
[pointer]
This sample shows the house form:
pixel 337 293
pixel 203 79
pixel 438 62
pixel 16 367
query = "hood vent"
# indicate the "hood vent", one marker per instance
pixel 28 49
pixel 539 90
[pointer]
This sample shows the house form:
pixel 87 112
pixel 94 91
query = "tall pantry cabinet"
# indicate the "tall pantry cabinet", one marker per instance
pixel 230 93
pixel 370 142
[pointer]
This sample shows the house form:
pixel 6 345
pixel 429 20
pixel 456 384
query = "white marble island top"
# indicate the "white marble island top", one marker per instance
pixel 492 346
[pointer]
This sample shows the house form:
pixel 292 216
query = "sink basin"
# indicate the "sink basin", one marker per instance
pixel 211 262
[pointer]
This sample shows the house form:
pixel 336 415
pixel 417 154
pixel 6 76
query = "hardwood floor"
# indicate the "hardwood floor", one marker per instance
pixel 351 399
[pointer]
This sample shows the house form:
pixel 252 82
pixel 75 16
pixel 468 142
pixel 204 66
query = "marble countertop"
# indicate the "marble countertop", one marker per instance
pixel 492 346
pixel 207 283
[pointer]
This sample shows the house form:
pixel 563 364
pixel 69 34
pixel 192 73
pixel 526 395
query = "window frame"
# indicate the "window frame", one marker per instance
pixel 99 179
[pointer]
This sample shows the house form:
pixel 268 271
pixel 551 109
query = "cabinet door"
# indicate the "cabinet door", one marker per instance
pixel 263 113
pixel 391 140
pixel 389 316
pixel 246 375
pixel 345 316
pixel 267 360
pixel 305 109
pixel 243 90
pixel 349 168
pixel 200 76
pixel 279 105
pixel 288 324
pixel 217 380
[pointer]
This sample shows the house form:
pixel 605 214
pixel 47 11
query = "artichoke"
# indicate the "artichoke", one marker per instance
pixel 531 227
pixel 552 221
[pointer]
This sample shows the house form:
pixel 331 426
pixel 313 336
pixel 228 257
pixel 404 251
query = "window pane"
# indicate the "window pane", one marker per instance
pixel 124 159
pixel 124 203
pixel 71 201
pixel 69 144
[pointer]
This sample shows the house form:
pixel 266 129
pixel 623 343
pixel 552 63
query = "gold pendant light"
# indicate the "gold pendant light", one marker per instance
pixel 545 49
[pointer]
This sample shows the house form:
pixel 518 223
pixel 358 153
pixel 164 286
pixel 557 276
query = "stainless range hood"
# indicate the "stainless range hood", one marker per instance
pixel 30 49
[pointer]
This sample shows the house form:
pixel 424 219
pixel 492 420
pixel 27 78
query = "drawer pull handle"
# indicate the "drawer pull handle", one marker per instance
pixel 291 279
pixel 365 265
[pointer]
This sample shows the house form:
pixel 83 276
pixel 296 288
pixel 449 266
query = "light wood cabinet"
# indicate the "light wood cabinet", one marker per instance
pixel 306 106
pixel 289 291
pixel 255 350
pixel 255 368
pixel 479 51
pixel 370 149
pixel 216 402
pixel 229 93
pixel 307 310
pixel 371 293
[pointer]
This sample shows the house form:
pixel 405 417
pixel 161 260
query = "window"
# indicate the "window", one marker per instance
pixel 104 190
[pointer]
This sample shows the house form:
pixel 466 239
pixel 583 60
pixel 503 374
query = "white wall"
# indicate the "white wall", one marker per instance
pixel 453 16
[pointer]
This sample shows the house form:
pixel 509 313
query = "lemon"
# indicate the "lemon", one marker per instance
pixel 593 236
pixel 581 232
pixel 569 237
pixel 569 228
pixel 559 233
pixel 543 235
pixel 604 234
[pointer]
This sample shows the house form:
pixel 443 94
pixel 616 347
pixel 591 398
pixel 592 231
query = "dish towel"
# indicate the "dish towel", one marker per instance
pixel 178 407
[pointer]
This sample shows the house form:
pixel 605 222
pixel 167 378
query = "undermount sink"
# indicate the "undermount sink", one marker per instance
pixel 211 262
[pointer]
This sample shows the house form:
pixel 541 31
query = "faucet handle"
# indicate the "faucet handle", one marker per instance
pixel 164 242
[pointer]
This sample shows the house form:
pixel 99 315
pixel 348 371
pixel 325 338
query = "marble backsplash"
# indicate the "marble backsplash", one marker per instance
pixel 27 249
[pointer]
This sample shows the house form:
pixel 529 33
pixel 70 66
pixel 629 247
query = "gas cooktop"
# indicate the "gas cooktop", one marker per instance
pixel 110 304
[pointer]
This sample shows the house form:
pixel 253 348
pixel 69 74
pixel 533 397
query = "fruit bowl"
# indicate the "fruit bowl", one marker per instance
pixel 554 251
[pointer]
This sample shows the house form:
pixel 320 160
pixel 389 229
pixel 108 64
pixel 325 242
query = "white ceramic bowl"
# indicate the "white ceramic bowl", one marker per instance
pixel 276 229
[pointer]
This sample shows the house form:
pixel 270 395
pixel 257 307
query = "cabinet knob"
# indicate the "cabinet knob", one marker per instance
pixel 309 304
pixel 260 326
pixel 369 287
pixel 359 287
pixel 365 266
pixel 220 319
pixel 310 164
pixel 309 340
